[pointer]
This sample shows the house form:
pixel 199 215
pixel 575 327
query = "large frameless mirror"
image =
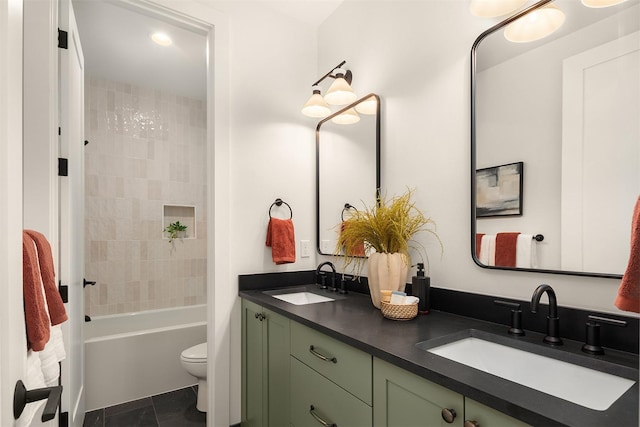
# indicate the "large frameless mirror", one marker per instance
pixel 556 143
pixel 347 168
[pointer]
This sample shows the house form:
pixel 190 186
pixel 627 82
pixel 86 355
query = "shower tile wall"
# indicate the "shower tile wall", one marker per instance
pixel 147 148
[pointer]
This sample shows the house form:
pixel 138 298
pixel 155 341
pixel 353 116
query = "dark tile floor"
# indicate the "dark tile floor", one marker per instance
pixel 172 409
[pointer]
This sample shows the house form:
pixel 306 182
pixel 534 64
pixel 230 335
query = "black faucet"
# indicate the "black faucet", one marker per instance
pixel 553 322
pixel 323 284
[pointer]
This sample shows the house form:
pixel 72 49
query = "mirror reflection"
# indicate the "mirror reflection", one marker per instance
pixel 566 108
pixel 347 167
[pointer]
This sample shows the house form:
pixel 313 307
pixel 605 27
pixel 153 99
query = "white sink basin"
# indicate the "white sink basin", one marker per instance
pixel 302 298
pixel 583 386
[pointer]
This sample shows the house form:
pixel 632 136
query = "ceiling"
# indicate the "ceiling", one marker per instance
pixel 116 43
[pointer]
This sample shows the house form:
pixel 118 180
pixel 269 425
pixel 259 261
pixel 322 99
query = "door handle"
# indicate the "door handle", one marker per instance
pixel 86 283
pixel 22 396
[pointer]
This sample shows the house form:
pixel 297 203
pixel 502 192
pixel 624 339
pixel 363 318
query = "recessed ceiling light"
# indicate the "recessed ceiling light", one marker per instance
pixel 162 39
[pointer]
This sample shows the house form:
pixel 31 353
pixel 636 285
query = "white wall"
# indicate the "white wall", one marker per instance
pixel 273 61
pixel 416 55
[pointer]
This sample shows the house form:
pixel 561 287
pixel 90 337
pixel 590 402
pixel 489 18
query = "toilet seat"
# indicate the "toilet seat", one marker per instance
pixel 195 354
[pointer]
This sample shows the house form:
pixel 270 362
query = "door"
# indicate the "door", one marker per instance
pixel 71 203
pixel 12 337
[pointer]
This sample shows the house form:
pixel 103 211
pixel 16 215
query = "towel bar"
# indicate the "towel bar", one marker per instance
pixel 347 206
pixel 280 202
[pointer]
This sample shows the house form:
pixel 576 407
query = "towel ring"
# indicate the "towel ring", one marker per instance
pixel 347 206
pixel 279 202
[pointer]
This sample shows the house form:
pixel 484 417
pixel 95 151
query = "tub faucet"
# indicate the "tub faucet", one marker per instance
pixel 553 322
pixel 323 284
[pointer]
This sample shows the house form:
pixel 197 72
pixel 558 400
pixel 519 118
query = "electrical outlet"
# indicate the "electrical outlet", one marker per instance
pixel 305 248
pixel 326 247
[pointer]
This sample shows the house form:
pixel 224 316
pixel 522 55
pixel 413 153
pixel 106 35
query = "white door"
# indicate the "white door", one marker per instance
pixel 602 105
pixel 12 332
pixel 71 204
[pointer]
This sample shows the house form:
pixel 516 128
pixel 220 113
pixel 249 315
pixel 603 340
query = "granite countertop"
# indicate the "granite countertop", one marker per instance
pixel 355 321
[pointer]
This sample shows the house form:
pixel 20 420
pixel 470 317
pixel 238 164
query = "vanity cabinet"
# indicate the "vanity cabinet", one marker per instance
pixel 265 367
pixel 330 381
pixel 405 399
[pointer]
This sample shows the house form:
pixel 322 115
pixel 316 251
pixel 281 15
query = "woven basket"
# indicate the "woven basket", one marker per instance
pixel 399 312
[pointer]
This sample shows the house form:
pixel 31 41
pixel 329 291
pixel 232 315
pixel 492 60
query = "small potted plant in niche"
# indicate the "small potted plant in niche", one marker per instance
pixel 386 231
pixel 175 230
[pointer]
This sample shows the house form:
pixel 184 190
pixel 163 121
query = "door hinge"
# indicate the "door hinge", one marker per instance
pixel 63 420
pixel 64 292
pixel 63 39
pixel 63 166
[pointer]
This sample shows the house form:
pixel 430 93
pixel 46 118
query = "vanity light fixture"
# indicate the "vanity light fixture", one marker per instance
pixel 349 117
pixel 162 39
pixel 535 25
pixel 368 106
pixel 601 3
pixel 494 8
pixel 339 93
pixel 316 106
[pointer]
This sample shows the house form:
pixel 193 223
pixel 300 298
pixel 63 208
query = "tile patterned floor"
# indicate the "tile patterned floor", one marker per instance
pixel 172 409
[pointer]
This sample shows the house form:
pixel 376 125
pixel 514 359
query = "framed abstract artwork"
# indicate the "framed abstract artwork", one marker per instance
pixel 499 190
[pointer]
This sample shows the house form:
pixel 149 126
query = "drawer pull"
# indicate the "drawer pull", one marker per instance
pixel 471 423
pixel 448 415
pixel 320 420
pixel 322 356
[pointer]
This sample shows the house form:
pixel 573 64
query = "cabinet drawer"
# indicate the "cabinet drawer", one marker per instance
pixel 485 416
pixel 330 403
pixel 346 366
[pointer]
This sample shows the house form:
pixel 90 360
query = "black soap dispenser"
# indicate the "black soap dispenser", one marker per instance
pixel 420 286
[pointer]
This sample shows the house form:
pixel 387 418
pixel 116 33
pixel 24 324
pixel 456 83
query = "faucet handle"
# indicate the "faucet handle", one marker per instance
pixel 516 316
pixel 592 346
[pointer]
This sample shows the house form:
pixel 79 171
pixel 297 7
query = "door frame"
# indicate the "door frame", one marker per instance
pixel 13 342
pixel 214 25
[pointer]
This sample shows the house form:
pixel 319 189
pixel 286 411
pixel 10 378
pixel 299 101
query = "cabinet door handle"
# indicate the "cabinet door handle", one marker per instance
pixel 448 415
pixel 322 356
pixel 260 316
pixel 471 423
pixel 312 411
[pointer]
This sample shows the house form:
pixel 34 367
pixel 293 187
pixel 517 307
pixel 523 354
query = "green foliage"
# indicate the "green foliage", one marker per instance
pixel 388 227
pixel 173 229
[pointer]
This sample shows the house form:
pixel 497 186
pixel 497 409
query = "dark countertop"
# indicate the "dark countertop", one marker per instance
pixel 355 321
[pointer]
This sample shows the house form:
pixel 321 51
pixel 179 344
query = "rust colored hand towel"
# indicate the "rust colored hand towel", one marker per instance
pixel 478 244
pixel 506 249
pixel 354 249
pixel 628 298
pixel 57 313
pixel 281 239
pixel 35 314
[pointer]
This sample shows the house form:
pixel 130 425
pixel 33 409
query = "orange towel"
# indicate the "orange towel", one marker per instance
pixel 35 314
pixel 355 249
pixel 281 239
pixel 57 313
pixel 506 249
pixel 628 298
pixel 478 244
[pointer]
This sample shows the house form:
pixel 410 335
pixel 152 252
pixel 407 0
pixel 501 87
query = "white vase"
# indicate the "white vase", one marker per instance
pixel 386 272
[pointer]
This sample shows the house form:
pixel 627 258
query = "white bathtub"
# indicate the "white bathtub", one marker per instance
pixel 135 355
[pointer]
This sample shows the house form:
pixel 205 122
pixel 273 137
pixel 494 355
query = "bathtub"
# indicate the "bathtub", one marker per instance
pixel 135 355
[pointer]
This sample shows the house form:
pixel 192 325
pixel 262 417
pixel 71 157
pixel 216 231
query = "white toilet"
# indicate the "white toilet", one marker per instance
pixel 194 361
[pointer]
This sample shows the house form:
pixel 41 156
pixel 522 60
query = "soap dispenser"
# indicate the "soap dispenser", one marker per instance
pixel 420 286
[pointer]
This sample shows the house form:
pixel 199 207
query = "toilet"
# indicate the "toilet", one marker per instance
pixel 194 361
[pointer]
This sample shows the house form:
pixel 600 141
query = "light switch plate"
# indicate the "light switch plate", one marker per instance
pixel 305 248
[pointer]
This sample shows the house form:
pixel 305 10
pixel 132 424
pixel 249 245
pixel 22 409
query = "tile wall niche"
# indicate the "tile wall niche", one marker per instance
pixel 147 150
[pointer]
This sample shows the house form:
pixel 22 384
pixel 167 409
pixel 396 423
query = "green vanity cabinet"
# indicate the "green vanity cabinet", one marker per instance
pixel 401 398
pixel 265 367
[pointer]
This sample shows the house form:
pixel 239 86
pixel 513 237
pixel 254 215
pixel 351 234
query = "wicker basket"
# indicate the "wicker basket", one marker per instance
pixel 399 312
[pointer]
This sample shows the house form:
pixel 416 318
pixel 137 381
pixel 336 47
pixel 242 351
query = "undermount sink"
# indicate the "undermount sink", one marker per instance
pixel 303 295
pixel 578 384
